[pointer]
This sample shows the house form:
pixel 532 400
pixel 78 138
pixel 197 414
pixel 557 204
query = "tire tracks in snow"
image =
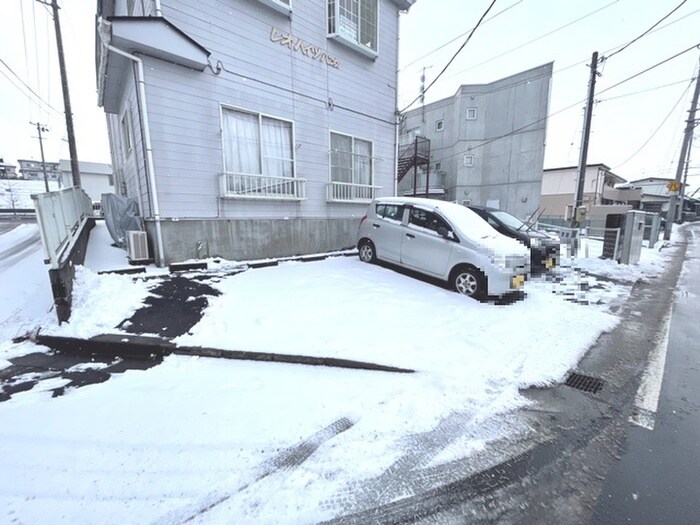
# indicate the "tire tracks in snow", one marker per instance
pixel 286 461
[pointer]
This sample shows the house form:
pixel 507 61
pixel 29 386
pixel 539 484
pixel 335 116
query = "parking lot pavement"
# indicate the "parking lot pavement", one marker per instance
pixel 60 372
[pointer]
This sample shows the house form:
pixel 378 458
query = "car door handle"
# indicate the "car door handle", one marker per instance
pixel 374 224
pixel 410 236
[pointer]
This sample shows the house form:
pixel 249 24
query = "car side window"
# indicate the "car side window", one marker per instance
pixel 426 219
pixel 492 222
pixel 390 211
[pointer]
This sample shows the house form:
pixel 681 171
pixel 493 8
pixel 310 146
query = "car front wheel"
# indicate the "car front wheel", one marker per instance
pixel 367 252
pixel 469 281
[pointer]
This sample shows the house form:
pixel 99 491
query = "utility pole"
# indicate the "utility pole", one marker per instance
pixel 66 95
pixel 422 93
pixel 690 126
pixel 39 129
pixel 583 158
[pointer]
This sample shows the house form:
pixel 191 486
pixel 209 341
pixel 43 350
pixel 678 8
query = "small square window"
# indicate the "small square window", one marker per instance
pixel 468 161
pixel 471 113
pixel 127 143
pixel 439 125
pixel 438 166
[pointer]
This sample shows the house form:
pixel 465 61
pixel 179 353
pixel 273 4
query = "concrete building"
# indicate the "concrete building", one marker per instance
pixel 95 178
pixel 601 187
pixel 253 128
pixel 486 143
pixel 33 170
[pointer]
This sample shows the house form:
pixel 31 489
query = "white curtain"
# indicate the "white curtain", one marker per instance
pixel 277 148
pixel 341 158
pixel 241 142
pixel 362 169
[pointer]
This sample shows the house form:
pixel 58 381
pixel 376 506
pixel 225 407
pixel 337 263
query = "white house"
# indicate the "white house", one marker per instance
pixel 601 187
pixel 254 128
pixel 95 178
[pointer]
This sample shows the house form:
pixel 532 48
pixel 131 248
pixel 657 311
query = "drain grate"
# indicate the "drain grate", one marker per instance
pixel 585 383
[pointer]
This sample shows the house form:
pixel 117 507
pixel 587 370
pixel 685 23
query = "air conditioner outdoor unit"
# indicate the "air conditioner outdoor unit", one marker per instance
pixel 137 245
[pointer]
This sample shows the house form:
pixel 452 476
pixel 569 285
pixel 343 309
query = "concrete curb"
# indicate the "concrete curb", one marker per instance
pixel 146 347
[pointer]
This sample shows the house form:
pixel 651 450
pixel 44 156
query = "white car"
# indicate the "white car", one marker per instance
pixel 443 240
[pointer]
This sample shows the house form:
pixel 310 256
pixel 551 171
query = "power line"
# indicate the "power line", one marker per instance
pixel 27 87
pixel 650 68
pixel 658 127
pixel 645 90
pixel 645 32
pixel 520 46
pixel 453 57
pixel 460 36
pixel 547 117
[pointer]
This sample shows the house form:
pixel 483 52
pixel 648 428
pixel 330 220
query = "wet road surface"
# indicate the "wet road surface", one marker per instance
pixel 656 478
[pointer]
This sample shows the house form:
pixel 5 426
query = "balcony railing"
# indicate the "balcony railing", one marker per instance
pixel 348 192
pixel 247 186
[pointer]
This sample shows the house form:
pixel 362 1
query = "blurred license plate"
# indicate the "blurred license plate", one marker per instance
pixel 518 281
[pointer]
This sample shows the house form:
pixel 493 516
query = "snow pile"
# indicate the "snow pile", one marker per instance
pixel 100 303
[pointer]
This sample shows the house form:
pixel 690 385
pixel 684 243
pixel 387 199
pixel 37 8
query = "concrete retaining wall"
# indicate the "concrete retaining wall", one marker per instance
pixel 244 239
pixel 62 277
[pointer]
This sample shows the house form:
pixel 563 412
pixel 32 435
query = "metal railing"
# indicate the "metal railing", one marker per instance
pixel 576 238
pixel 349 192
pixel 247 186
pixel 61 216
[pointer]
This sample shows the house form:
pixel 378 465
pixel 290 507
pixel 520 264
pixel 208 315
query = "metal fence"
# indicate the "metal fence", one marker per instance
pixel 247 186
pixel 577 240
pixel 61 216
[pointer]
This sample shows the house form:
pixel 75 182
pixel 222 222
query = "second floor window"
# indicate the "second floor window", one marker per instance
pixel 355 21
pixel 257 145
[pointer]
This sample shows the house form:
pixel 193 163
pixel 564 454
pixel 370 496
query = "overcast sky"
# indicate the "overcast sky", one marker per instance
pixel 637 126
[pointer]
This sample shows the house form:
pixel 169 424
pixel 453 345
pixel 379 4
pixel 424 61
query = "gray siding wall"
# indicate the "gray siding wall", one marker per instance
pixel 266 77
pixel 129 167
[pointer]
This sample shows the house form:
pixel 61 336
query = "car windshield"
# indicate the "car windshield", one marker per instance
pixel 509 220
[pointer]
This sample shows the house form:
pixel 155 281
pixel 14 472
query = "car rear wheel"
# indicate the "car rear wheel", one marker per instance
pixel 367 252
pixel 469 281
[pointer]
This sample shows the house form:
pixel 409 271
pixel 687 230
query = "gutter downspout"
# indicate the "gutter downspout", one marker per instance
pixel 159 11
pixel 397 115
pixel 160 260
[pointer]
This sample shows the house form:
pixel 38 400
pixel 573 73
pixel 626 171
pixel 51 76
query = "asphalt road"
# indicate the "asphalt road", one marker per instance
pixel 656 478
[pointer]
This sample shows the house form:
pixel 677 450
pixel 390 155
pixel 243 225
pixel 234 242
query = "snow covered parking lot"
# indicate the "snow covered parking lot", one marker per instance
pixel 216 440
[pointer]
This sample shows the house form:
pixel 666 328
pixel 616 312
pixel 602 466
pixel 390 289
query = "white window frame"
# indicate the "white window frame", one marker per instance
pixel 440 125
pixel 127 135
pixel 468 161
pixel 226 107
pixel 279 5
pixel 352 191
pixel 472 113
pixel 265 186
pixel 332 23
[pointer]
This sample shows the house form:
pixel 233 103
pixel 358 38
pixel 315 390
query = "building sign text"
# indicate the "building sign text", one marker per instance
pixel 297 44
